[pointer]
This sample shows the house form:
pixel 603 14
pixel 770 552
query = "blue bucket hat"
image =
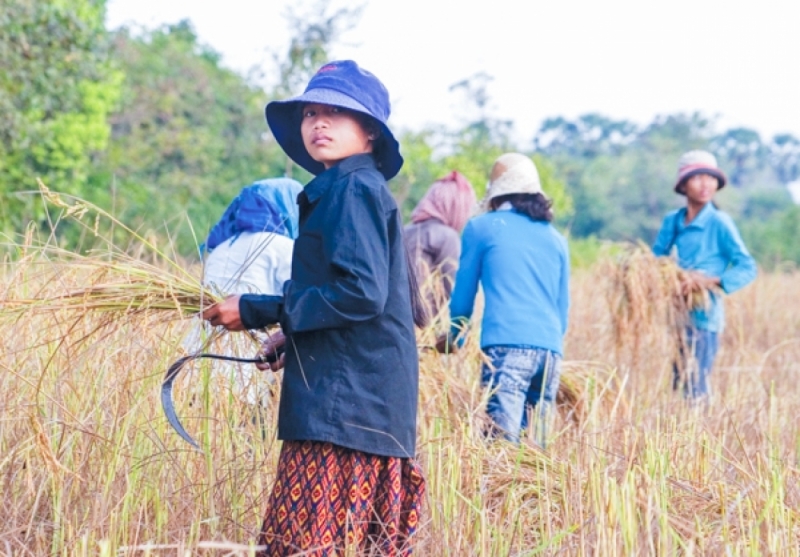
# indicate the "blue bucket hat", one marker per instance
pixel 341 83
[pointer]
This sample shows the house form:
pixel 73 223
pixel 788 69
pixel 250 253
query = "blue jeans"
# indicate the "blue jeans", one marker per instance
pixel 697 359
pixel 520 378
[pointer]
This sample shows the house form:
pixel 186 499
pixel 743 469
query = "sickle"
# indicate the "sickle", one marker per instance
pixel 166 388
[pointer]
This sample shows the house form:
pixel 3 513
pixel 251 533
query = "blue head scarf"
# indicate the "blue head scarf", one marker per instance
pixel 264 206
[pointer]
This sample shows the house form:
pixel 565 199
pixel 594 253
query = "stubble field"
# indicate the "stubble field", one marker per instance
pixel 90 466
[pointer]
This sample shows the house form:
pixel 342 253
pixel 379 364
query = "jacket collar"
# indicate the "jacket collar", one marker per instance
pixel 702 218
pixel 319 185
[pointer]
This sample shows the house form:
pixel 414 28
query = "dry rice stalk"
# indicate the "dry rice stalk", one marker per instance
pixel 111 280
pixel 589 387
pixel 645 298
pixel 117 287
pixel 46 452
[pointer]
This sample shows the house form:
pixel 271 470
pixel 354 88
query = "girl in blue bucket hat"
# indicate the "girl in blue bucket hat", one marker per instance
pixel 347 478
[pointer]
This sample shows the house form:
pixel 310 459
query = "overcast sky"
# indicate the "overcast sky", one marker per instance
pixel 629 59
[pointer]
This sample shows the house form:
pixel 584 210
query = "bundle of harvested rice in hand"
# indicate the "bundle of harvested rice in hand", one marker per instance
pixel 126 287
pixel 648 294
pixel 108 280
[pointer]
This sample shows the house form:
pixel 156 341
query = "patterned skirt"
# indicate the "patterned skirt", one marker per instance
pixel 330 500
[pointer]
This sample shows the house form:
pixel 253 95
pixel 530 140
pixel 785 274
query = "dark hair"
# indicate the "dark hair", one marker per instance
pixel 369 123
pixel 373 127
pixel 533 205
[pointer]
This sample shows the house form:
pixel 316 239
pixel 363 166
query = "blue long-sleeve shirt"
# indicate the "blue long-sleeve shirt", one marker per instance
pixel 712 245
pixel 523 268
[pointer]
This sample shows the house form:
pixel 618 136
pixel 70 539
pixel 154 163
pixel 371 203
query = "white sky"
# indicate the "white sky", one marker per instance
pixel 629 59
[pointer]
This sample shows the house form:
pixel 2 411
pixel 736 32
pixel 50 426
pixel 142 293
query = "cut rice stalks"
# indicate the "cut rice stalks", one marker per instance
pixel 138 279
pixel 647 303
pixel 118 287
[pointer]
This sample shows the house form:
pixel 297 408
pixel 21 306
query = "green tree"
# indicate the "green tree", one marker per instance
pixel 741 150
pixel 773 241
pixel 57 87
pixel 784 157
pixel 470 149
pixel 588 136
pixel 316 29
pixel 618 175
pixel 421 168
pixel 187 136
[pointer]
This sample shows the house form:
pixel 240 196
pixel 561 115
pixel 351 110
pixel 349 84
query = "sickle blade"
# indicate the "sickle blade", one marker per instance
pixel 166 387
pixel 168 405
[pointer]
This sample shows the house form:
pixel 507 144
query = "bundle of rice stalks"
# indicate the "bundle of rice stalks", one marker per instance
pixel 590 389
pixel 646 296
pixel 126 287
pixel 138 279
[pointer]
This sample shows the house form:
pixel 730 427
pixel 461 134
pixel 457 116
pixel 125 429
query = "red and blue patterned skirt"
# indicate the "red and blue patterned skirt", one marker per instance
pixel 330 500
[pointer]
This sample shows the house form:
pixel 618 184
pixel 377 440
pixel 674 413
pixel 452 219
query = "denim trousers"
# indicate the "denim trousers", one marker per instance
pixel 518 379
pixel 696 361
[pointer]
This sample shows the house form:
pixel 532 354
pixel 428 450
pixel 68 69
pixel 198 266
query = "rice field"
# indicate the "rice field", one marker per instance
pixel 90 466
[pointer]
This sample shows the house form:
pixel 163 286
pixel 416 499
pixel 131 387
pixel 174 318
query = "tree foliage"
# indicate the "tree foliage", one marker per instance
pixel 150 125
pixel 316 29
pixel 187 136
pixel 57 87
pixel 471 149
pixel 621 176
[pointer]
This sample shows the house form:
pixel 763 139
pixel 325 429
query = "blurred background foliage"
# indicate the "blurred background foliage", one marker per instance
pixel 148 124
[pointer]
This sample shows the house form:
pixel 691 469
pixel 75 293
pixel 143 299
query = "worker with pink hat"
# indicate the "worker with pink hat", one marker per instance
pixel 709 246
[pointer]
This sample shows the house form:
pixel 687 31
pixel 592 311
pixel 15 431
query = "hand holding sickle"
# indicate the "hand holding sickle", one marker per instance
pixel 225 314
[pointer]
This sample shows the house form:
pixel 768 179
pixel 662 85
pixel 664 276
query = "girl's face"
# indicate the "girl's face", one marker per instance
pixel 700 188
pixel 331 134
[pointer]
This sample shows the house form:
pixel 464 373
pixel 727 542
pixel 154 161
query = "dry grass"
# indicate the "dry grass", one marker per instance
pixel 89 466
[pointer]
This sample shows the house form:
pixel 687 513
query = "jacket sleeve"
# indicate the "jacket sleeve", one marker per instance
pixel 563 298
pixel 356 247
pixel 467 279
pixel 260 310
pixel 666 236
pixel 741 269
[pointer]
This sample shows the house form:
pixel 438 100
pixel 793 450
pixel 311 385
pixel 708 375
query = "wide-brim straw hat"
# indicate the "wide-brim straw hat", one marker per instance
pixel 342 83
pixel 698 162
pixel 512 173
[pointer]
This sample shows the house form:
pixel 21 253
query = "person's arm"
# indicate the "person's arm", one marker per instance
pixel 563 297
pixel 467 279
pixel 447 260
pixel 356 245
pixel 742 268
pixel 666 236
pixel 248 311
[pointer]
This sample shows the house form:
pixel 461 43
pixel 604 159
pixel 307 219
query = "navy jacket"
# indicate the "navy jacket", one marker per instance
pixel 351 375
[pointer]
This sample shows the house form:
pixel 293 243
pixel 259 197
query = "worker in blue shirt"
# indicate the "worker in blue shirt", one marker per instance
pixel 522 263
pixel 708 246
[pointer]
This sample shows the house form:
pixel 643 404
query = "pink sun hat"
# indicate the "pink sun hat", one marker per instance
pixel 698 162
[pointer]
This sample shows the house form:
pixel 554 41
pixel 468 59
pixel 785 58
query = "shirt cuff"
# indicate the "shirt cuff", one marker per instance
pixel 259 310
pixel 459 327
